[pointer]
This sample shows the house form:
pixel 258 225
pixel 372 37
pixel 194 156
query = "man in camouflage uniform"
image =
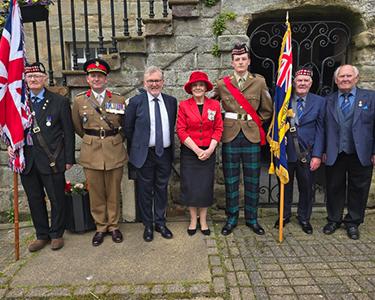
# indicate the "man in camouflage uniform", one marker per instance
pixel 247 104
pixel 97 117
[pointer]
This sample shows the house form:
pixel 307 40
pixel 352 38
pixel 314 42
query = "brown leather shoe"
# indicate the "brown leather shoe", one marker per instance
pixel 57 244
pixel 37 245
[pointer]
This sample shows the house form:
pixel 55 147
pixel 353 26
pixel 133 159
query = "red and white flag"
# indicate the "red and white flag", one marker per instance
pixel 14 113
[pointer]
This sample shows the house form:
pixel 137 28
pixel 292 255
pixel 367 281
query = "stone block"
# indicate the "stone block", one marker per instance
pixel 185 11
pixel 226 42
pixel 128 197
pixel 158 27
pixel 162 43
pixel 75 78
pixel 364 39
pixel 132 44
pixel 114 60
pixel 208 61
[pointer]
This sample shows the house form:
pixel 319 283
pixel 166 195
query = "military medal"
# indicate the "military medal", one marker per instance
pixel 48 121
pixel 360 103
pixel 84 118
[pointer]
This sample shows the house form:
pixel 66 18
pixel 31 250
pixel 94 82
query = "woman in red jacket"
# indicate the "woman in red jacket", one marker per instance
pixel 199 128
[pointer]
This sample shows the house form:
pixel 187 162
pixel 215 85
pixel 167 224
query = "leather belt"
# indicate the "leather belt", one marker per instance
pixel 236 116
pixel 102 133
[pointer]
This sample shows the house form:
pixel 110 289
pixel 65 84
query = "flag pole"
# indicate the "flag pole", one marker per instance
pixel 281 213
pixel 16 217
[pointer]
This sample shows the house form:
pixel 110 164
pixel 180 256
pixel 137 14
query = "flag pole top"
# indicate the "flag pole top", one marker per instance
pixel 287 16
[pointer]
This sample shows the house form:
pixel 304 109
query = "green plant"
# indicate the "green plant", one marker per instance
pixel 219 25
pixel 215 51
pixel 10 215
pixel 210 3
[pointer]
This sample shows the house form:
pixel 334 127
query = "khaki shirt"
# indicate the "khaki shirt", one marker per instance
pixel 256 92
pixel 99 153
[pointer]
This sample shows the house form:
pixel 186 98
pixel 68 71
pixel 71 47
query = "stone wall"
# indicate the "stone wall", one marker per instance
pixel 183 42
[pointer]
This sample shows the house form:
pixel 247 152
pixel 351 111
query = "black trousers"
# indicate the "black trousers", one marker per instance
pixel 35 184
pixel 152 187
pixel 305 180
pixel 347 180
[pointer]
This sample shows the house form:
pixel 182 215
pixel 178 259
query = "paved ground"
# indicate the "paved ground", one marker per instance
pixel 240 266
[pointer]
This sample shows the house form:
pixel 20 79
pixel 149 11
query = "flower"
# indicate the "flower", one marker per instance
pixel 77 188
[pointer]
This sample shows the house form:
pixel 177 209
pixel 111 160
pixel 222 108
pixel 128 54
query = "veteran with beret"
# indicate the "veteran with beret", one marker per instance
pixel 247 104
pixel 97 117
pixel 49 152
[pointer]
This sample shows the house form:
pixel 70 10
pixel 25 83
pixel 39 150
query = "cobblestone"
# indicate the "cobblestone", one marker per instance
pixel 243 266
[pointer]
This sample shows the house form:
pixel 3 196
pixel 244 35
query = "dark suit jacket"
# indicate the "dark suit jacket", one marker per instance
pixel 310 129
pixel 363 127
pixel 137 126
pixel 58 111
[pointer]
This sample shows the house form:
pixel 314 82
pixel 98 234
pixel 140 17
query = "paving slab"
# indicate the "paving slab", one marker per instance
pixel 134 261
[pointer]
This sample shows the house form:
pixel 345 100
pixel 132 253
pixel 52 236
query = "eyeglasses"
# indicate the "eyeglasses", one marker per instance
pixel 36 76
pixel 154 81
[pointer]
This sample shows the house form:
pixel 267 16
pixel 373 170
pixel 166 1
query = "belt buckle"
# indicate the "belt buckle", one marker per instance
pixel 36 129
pixel 292 129
pixel 102 133
pixel 240 117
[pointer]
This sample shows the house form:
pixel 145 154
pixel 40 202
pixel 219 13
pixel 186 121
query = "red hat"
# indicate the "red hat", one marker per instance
pixel 197 76
pixel 36 67
pixel 304 71
pixel 96 65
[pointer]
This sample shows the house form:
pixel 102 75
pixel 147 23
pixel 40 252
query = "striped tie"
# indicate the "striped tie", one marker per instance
pixel 299 108
pixel 345 104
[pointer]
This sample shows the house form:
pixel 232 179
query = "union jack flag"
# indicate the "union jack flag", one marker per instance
pixel 279 125
pixel 14 113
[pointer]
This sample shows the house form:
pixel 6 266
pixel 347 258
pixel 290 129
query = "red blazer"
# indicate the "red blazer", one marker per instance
pixel 200 128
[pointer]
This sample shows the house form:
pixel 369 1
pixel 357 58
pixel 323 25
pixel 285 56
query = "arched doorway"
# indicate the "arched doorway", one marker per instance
pixel 322 44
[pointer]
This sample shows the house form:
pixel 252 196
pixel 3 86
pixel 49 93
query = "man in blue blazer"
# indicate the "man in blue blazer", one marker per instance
pixel 350 151
pixel 149 127
pixel 305 144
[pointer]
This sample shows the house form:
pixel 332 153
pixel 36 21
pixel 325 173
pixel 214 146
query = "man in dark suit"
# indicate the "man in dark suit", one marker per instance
pixel 305 142
pixel 149 127
pixel 49 151
pixel 350 151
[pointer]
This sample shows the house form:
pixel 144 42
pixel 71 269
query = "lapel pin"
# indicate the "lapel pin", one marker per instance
pixel 360 103
pixel 48 123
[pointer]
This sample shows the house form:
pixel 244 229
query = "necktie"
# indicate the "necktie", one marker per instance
pixel 240 82
pixel 159 148
pixel 99 99
pixel 345 104
pixel 299 108
pixel 37 103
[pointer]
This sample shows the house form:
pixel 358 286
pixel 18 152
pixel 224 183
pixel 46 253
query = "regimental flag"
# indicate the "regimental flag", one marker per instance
pixel 282 110
pixel 14 116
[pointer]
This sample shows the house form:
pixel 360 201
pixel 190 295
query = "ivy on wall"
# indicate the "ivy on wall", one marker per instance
pixel 219 26
pixel 210 2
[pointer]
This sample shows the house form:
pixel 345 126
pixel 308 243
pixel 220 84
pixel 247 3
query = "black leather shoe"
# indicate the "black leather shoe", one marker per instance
pixel 330 227
pixel 228 228
pixel 117 236
pixel 285 221
pixel 191 231
pixel 256 228
pixel 352 231
pixel 164 231
pixel 98 238
pixel 306 226
pixel 206 231
pixel 148 234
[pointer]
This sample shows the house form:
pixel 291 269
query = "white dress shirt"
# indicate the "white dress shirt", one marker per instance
pixel 99 97
pixel 164 121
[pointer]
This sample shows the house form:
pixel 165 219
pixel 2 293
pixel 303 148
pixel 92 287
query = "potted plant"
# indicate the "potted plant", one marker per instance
pixel 34 10
pixel 78 215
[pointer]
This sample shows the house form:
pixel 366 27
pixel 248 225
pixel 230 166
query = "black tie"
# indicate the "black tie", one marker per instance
pixel 159 148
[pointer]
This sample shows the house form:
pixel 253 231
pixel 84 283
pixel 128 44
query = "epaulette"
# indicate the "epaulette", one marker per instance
pixel 80 94
pixel 257 75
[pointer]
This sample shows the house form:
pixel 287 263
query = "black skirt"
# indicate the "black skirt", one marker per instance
pixel 197 179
